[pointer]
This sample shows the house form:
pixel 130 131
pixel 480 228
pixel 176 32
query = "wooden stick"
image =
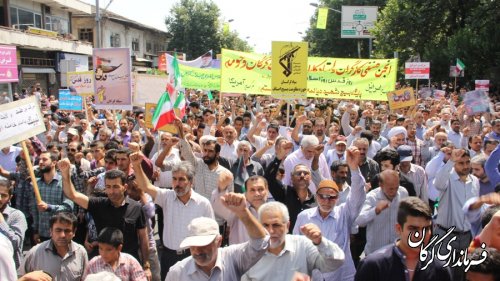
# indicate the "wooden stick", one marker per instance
pixel 32 173
pixel 287 113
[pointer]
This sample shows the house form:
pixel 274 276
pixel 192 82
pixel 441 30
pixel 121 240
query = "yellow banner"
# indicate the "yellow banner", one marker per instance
pixel 81 83
pixel 200 78
pixel 401 98
pixel 245 73
pixel 289 70
pixel 322 18
pixel 365 79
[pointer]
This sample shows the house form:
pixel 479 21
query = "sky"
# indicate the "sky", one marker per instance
pixel 263 21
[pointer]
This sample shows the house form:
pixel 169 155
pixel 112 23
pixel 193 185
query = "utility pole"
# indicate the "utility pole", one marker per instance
pixel 98 24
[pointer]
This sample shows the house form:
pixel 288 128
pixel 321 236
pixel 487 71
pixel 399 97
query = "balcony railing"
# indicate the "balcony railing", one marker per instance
pixel 38 62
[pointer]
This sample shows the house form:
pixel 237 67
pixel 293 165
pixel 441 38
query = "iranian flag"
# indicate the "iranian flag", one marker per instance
pixel 460 66
pixel 164 112
pixel 180 103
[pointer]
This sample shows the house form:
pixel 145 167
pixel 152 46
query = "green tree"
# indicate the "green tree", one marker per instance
pixel 327 42
pixel 196 28
pixel 440 31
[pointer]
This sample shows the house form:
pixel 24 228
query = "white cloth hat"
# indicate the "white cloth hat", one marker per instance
pixel 201 232
pixel 396 131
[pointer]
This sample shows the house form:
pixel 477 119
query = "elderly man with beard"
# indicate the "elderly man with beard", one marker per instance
pixel 304 156
pixel 229 143
pixel 288 254
pixel 336 220
pixel 208 261
pixel 244 167
pixel 51 192
pixel 180 206
pixel 307 129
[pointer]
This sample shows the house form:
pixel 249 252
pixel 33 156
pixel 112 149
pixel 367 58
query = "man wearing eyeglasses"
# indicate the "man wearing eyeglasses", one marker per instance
pixel 335 220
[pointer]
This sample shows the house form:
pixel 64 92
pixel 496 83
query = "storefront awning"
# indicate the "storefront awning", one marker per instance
pixel 38 70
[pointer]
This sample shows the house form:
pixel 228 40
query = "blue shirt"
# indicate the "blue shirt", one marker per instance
pixel 337 226
pixel 52 194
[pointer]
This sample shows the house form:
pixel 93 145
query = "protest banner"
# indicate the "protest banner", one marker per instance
pixel 401 98
pixel 8 64
pixel 113 83
pixel 417 70
pixel 69 102
pixel 362 79
pixel 148 118
pixel 81 83
pixel 289 70
pixel 148 88
pixel 483 85
pixel 245 73
pixel 20 120
pixel 476 102
pixel 200 78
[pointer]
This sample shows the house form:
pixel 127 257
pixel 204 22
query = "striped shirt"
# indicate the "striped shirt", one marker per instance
pixel 380 228
pixel 128 268
pixel 13 227
pixel 205 180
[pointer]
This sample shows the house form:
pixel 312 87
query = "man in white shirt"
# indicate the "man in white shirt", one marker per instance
pixel 230 145
pixel 414 172
pixel 180 205
pixel 256 193
pixel 288 254
pixel 455 136
pixel 210 262
pixel 304 156
pixel 380 210
pixel 8 157
pixel 165 158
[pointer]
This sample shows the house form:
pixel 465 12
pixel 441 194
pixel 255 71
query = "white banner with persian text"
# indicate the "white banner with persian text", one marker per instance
pixel 19 121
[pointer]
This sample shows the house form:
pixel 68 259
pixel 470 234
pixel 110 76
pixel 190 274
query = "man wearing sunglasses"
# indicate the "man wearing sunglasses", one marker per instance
pixel 335 220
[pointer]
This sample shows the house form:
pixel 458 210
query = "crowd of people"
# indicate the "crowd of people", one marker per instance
pixel 254 188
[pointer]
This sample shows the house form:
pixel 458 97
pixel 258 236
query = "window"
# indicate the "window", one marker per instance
pixel 148 47
pixel 56 24
pixel 86 34
pixel 135 45
pixel 22 19
pixel 114 40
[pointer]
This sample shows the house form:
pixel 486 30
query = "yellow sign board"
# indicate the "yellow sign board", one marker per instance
pixel 401 98
pixel 289 70
pixel 40 31
pixel 322 18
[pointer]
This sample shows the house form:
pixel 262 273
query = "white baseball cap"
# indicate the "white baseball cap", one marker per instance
pixel 201 232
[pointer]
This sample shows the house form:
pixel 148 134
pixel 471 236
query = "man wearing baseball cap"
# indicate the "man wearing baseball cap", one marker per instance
pixel 207 260
pixel 414 173
pixel 335 220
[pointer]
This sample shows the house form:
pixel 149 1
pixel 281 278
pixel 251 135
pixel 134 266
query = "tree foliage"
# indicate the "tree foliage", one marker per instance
pixel 327 42
pixel 440 31
pixel 196 28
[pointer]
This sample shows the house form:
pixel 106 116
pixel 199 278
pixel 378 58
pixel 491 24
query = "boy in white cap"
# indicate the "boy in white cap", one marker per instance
pixel 207 260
